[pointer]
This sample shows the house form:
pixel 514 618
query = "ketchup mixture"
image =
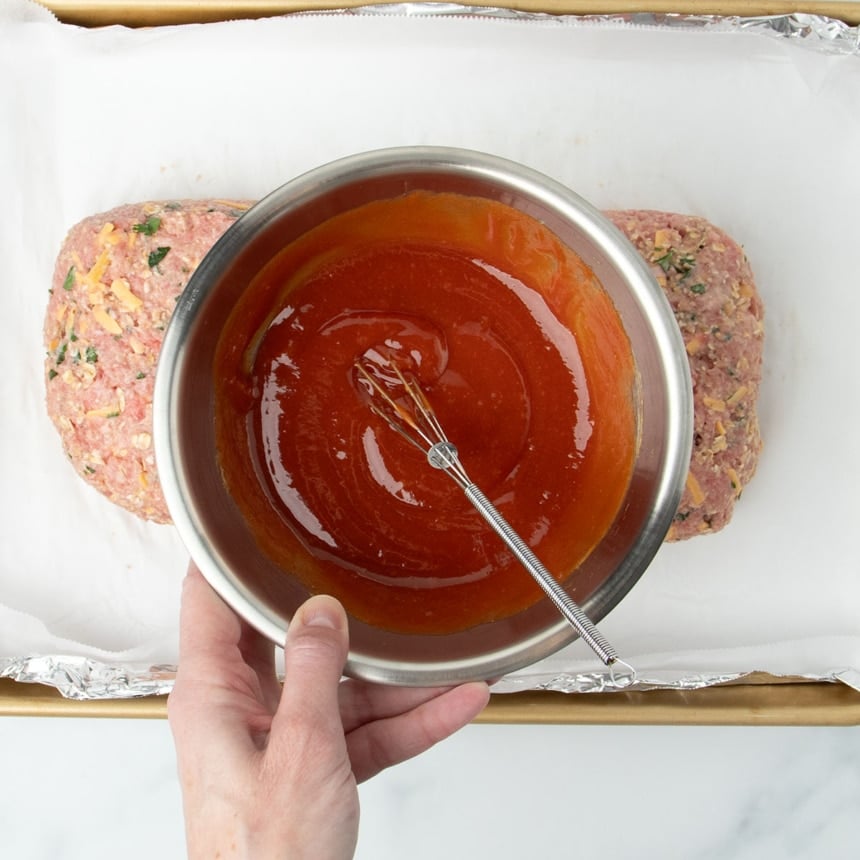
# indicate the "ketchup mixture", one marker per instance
pixel 525 362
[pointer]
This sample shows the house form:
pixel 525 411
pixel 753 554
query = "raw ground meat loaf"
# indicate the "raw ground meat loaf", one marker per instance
pixel 118 276
pixel 116 282
pixel 710 287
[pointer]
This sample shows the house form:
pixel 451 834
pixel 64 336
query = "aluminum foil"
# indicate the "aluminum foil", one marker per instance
pixel 600 682
pixel 83 678
pixel 813 31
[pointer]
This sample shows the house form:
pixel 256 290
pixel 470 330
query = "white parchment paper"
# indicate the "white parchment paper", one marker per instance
pixel 759 135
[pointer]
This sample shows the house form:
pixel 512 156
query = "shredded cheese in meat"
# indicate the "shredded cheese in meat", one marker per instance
pixel 107 236
pixel 103 412
pixel 662 239
pixel 694 345
pixel 697 495
pixel 96 272
pixel 735 479
pixel 106 321
pixel 240 205
pixel 121 289
pixel 737 396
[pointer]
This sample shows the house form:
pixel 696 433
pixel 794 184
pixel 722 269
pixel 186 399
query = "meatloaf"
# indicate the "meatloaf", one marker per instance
pixel 708 281
pixel 116 282
pixel 119 274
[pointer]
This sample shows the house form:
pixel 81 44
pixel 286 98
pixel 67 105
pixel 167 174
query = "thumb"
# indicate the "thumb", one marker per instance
pixel 314 656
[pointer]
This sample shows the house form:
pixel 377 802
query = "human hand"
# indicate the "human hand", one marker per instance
pixel 270 773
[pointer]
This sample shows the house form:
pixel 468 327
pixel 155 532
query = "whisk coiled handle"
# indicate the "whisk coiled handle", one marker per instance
pixel 562 600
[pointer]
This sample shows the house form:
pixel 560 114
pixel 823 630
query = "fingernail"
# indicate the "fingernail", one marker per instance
pixel 321 613
pixel 320 619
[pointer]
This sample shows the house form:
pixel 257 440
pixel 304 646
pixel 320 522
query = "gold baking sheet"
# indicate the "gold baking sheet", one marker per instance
pixel 761 701
pixel 136 13
pixel 764 704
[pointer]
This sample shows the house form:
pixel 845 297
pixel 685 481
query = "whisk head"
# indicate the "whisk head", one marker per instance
pixel 399 400
pixel 402 404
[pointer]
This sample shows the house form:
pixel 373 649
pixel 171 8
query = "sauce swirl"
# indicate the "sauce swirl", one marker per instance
pixel 524 359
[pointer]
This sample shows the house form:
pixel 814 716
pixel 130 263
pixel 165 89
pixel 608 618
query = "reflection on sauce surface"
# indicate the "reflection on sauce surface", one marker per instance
pixel 524 360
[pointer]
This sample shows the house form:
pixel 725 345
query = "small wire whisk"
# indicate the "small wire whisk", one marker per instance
pixel 412 416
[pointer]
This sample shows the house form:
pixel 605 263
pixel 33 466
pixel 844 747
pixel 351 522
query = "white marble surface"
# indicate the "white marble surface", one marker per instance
pixel 98 789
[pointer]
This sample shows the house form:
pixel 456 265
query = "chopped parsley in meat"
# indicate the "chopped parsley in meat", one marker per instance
pixel 156 256
pixel 148 227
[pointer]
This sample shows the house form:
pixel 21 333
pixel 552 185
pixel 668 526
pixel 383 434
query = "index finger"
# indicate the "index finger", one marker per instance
pixel 208 628
pixel 225 681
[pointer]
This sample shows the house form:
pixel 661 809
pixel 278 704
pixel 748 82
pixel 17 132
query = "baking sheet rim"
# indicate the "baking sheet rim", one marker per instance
pixel 93 13
pixel 755 701
pixel 778 702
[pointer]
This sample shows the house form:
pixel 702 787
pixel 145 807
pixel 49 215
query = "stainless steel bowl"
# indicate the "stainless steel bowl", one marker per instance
pixel 211 525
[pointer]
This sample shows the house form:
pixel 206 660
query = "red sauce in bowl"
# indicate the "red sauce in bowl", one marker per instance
pixel 525 361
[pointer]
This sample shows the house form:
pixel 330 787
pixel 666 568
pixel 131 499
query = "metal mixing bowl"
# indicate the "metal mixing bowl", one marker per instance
pixel 211 525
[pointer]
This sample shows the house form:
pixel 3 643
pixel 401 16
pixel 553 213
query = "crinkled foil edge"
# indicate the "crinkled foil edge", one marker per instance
pixel 817 32
pixel 84 678
pixel 600 682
